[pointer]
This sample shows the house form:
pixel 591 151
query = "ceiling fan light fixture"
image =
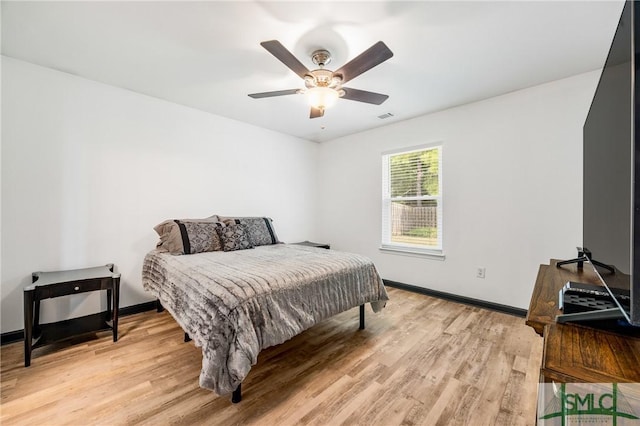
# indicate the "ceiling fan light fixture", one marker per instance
pixel 322 97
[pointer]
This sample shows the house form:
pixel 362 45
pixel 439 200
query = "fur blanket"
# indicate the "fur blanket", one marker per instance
pixel 234 304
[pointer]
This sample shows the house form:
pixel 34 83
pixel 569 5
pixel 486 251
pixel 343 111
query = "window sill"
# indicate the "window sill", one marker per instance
pixel 417 252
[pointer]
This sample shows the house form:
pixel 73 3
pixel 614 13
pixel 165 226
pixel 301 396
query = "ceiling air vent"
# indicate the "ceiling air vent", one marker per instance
pixel 383 116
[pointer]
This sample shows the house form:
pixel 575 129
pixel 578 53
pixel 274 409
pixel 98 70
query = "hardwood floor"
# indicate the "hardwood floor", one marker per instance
pixel 422 361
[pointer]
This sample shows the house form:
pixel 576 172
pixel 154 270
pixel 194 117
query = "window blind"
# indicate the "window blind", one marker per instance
pixel 412 199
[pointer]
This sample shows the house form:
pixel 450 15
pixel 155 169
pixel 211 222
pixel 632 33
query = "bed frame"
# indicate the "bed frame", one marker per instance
pixel 236 396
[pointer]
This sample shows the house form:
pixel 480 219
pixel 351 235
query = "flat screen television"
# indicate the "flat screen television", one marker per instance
pixel 611 168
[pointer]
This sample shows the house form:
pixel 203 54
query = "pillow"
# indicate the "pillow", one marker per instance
pixel 189 236
pixel 260 229
pixel 234 236
pixel 200 237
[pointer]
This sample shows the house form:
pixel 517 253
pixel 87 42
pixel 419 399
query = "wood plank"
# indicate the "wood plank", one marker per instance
pixel 422 360
pixel 583 354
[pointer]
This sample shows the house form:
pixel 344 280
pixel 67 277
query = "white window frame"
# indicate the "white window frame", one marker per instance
pixel 435 252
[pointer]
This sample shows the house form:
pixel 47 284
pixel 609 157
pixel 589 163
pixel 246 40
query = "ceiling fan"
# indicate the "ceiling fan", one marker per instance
pixel 323 87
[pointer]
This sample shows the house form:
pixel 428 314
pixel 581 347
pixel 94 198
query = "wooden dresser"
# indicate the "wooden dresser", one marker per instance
pixel 577 352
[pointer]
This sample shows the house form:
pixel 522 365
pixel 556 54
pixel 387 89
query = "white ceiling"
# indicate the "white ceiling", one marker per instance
pixel 207 55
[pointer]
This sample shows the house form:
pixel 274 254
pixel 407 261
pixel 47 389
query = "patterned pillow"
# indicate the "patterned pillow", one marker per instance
pixel 199 237
pixel 234 236
pixel 260 229
pixel 189 236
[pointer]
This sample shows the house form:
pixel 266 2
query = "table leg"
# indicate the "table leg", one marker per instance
pixel 109 300
pixel 28 325
pixel 116 304
pixel 35 330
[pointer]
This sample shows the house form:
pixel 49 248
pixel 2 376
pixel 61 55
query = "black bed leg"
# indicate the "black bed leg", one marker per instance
pixel 186 337
pixel 159 306
pixel 361 317
pixel 236 396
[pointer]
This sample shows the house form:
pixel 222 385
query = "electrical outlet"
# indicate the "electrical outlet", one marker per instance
pixel 480 272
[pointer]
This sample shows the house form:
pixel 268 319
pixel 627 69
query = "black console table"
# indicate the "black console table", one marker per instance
pixel 46 285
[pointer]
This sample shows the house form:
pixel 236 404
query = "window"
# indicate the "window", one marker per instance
pixel 412 200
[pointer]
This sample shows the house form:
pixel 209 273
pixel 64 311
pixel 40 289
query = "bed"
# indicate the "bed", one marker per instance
pixel 234 304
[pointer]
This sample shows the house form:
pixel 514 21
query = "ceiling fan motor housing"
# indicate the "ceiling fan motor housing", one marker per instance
pixel 322 77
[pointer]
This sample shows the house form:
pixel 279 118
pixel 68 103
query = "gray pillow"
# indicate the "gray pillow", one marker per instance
pixel 234 236
pixel 260 229
pixel 200 237
pixel 189 236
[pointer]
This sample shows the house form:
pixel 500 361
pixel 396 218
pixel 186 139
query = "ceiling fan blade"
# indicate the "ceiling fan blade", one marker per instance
pixel 275 93
pixel 364 96
pixel 279 51
pixel 316 112
pixel 375 55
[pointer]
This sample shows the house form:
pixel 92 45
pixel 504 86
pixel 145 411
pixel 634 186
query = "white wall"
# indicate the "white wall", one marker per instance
pixel 512 176
pixel 89 169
